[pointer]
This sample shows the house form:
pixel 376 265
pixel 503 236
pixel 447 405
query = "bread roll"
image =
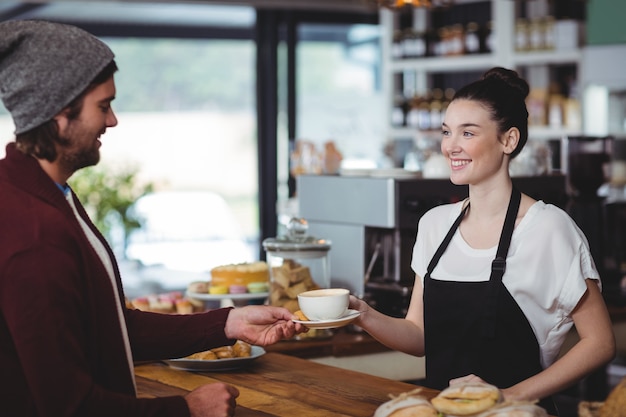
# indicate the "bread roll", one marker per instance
pixel 465 399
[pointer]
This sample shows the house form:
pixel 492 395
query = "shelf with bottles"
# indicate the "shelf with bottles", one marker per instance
pixel 536 39
pixel 460 30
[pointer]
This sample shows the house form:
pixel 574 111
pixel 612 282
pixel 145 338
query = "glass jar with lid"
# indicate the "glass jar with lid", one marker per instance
pixel 297 262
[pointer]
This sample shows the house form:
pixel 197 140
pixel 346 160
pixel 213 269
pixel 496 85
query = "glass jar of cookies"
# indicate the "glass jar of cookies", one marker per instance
pixel 297 263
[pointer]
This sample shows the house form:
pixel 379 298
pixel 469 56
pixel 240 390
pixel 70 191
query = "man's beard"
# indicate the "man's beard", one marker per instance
pixel 75 156
pixel 75 160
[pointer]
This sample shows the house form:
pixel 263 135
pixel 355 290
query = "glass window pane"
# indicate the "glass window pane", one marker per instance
pixel 190 131
pixel 338 89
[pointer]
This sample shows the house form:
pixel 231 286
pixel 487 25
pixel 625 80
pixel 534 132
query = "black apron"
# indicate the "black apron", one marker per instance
pixel 477 327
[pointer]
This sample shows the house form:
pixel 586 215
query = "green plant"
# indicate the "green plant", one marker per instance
pixel 108 194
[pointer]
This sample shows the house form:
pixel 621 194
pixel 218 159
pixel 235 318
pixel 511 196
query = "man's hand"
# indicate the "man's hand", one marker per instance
pixel 261 325
pixel 212 400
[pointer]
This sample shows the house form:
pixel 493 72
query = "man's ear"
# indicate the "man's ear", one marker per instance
pixel 62 121
pixel 510 140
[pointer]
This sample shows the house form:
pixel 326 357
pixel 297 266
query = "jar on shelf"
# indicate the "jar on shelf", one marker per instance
pixel 297 262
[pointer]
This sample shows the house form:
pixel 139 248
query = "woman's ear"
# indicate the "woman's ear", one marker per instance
pixel 510 140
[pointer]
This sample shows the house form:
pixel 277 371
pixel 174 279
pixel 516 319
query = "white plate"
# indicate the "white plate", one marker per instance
pixel 331 324
pixel 217 364
pixel 244 296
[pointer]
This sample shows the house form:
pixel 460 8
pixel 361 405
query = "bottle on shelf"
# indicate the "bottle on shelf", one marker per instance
pixel 522 41
pixel 423 112
pixel 472 38
pixel 456 44
pixel 398 112
pixel 436 107
pixel 548 32
pixel 487 40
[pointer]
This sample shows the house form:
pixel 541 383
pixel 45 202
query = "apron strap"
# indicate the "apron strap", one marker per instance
pixel 446 241
pixel 498 266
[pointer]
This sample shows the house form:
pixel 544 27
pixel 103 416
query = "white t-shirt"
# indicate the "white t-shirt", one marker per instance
pixel 546 267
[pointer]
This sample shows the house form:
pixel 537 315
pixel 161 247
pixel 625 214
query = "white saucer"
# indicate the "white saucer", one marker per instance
pixel 331 324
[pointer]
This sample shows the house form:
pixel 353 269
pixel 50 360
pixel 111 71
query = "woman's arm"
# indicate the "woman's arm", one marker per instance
pixel 402 334
pixel 595 348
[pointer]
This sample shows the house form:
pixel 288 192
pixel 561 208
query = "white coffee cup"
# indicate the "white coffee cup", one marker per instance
pixel 324 304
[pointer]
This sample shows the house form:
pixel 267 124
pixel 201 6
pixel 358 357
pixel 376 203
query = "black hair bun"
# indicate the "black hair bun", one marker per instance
pixel 510 78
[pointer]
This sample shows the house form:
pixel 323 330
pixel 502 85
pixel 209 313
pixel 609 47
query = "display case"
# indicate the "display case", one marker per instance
pixel 428 53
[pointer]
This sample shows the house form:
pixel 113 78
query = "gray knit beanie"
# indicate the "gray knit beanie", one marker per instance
pixel 44 66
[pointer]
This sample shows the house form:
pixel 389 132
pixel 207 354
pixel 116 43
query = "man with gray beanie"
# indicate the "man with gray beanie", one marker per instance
pixel 67 340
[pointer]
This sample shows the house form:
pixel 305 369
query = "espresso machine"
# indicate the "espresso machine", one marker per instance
pixel 372 224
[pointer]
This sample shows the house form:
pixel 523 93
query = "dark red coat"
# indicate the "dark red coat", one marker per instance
pixel 61 346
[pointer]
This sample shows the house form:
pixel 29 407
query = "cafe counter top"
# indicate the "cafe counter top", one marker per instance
pixel 283 386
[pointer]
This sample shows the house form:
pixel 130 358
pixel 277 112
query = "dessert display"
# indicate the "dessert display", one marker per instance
pixel 243 278
pixel 466 399
pixel 240 349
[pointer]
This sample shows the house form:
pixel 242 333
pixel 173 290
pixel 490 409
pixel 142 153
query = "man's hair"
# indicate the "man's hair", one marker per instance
pixel 41 140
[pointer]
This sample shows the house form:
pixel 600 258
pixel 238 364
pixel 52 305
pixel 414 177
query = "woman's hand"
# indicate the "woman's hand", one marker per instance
pixel 466 379
pixel 261 325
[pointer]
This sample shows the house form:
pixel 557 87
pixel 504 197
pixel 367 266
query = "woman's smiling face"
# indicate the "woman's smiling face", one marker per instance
pixel 471 143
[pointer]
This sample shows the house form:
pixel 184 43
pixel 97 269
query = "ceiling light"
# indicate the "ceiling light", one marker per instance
pixel 399 4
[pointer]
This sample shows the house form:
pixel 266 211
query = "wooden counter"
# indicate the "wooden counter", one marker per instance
pixel 281 385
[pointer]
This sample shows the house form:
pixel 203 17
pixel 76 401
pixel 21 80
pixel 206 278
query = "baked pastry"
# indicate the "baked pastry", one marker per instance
pixel 515 409
pixel 184 306
pixel 465 399
pixel 207 355
pixel 242 349
pixel 289 280
pixel 408 404
pixel 240 274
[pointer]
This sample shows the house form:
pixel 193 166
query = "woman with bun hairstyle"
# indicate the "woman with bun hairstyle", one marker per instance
pixel 501 278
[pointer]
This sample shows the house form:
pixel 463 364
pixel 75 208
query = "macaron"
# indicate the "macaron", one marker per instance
pixel 218 289
pixel 255 287
pixel 237 289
